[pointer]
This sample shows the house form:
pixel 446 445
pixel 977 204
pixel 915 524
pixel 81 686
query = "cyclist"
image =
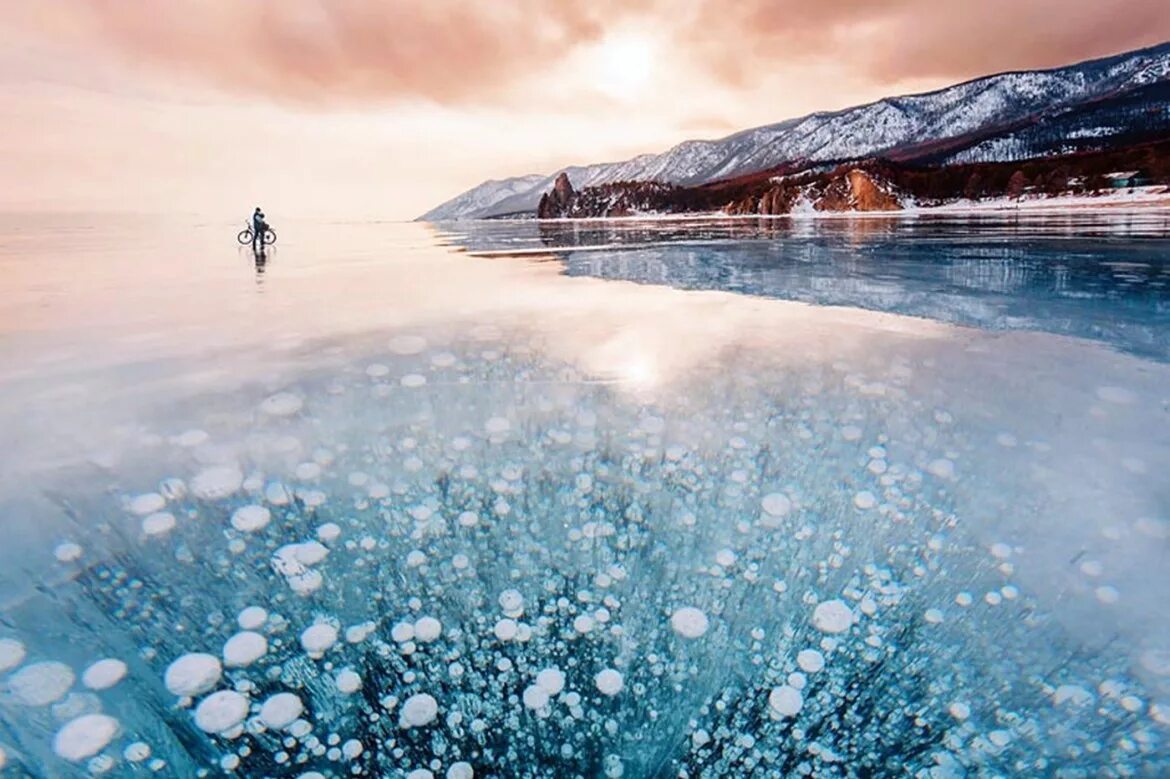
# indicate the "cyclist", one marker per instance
pixel 258 227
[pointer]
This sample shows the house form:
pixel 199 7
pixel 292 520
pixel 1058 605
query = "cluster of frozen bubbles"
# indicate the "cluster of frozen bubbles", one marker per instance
pixel 410 568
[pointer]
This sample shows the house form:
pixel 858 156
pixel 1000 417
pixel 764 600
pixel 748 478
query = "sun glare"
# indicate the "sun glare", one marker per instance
pixel 624 65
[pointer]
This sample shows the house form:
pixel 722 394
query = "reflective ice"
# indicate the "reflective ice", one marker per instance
pixel 400 510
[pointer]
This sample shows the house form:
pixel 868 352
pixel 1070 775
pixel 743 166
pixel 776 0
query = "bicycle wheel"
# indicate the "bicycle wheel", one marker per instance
pixel 269 237
pixel 245 237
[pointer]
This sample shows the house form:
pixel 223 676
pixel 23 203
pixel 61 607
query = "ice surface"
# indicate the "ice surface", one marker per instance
pixel 629 547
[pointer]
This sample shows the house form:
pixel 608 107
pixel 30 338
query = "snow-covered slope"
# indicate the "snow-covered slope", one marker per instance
pixel 864 131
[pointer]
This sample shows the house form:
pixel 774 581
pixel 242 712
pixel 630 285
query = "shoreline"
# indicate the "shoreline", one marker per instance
pixel 1144 200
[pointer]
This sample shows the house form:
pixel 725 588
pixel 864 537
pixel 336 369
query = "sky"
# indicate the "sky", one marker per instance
pixel 383 109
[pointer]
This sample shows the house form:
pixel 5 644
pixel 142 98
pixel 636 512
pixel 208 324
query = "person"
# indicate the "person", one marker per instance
pixel 258 228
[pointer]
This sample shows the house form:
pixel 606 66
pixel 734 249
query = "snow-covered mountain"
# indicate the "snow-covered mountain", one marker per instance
pixel 878 128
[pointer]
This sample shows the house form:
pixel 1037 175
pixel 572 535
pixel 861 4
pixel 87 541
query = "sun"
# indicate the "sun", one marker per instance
pixel 623 65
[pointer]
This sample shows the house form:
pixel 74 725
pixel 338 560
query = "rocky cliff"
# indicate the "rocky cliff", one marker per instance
pixel 864 186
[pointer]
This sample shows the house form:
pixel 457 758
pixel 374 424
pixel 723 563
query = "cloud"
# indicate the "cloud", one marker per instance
pixel 919 39
pixel 346 52
pixel 322 51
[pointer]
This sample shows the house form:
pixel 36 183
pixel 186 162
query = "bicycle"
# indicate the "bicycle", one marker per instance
pixel 245 236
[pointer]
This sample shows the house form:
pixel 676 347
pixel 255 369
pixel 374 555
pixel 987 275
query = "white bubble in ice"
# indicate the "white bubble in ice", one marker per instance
pixel 310 552
pixel 415 558
pixel 506 629
pixel 329 532
pixel 689 622
pixel 249 519
pixel 217 482
pixel 408 344
pixel 785 701
pixel 307 471
pixel 1072 694
pixel 377 370
pixel 427 629
pixel 352 749
pixel 460 770
pixel 402 632
pixel 281 710
pixel 864 500
pixel 12 654
pixel 158 524
pixel 535 697
pixel 420 773
pixel 608 681
pixel 1156 661
pixel 282 404
pixel 189 438
pixel 942 468
pixel 243 649
pixel 497 426
pixel 418 710
pixel 959 711
pixel 832 616
pixel 39 684
pixel 1107 595
pixel 512 602
pixel 192 674
pixel 1000 550
pixel 147 503
pixel 104 674
pixel 348 681
pixel 810 660
pixel 933 616
pixel 551 680
pixel 851 433
pixel 221 711
pixel 136 752
pixel 252 618
pixel 776 504
pixel 85 736
pixel 412 380
pixel 355 634
pixel 1117 395
pixel 725 558
pixel 67 552
pixel 319 638
pixel 583 623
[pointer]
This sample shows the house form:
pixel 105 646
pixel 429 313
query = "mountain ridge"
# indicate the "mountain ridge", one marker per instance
pixel 884 126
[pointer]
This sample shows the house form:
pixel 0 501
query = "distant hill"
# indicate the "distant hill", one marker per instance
pixel 1095 105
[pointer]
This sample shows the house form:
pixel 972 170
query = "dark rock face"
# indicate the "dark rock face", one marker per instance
pixel 620 198
pixel 559 201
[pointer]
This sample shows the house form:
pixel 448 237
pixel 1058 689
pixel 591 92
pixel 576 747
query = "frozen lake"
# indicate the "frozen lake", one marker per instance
pixel 849 497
